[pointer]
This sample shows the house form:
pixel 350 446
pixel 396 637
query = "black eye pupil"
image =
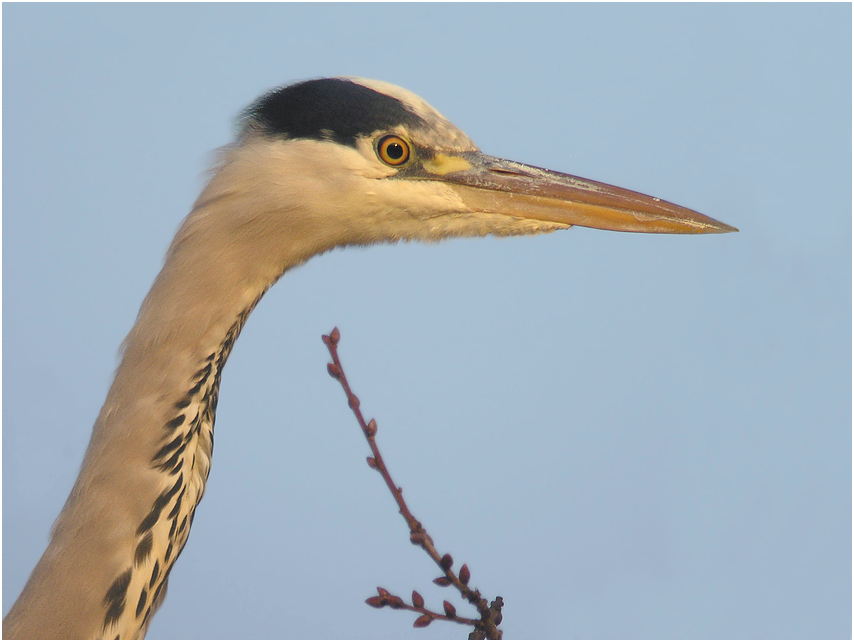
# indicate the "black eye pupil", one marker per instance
pixel 394 151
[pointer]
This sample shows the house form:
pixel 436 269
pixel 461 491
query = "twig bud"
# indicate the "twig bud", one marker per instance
pixel 335 336
pixel 372 427
pixel 353 401
pixel 372 463
pixel 447 561
pixel 383 593
pixel 442 581
pixel 465 574
pixel 495 610
pixel 333 370
pixel 450 611
pixel 417 538
pixel 423 621
pixel 417 600
pixel 376 601
pixel 395 602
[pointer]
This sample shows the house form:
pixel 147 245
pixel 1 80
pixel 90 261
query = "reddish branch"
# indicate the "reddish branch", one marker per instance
pixel 490 614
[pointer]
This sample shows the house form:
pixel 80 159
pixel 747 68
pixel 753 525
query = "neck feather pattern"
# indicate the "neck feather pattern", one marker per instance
pixel 105 571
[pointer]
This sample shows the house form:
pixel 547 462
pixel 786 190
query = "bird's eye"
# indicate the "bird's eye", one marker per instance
pixel 393 150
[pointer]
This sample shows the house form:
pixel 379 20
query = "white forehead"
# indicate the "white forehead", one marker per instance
pixel 445 133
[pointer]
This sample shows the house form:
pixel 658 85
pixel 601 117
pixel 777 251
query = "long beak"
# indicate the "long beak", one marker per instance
pixel 489 184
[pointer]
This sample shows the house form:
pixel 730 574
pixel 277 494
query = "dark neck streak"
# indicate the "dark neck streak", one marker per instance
pixel 185 457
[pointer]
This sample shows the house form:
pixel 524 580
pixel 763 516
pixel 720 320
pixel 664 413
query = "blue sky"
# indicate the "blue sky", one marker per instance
pixel 622 435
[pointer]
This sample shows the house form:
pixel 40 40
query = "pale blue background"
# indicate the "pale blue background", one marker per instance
pixel 623 435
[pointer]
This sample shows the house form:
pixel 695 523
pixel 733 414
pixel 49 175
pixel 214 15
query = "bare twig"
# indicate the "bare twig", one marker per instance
pixel 490 614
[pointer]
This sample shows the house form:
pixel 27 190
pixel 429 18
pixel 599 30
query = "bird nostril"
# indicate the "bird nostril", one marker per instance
pixel 509 172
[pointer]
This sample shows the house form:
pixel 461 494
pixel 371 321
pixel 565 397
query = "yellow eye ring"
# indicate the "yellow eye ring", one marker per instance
pixel 393 150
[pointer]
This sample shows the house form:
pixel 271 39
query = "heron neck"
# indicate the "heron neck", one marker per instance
pixel 129 514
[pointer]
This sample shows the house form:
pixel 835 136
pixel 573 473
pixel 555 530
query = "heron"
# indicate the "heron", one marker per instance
pixel 316 165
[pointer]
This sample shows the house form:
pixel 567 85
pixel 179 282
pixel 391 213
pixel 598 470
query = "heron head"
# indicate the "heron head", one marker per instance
pixel 363 161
